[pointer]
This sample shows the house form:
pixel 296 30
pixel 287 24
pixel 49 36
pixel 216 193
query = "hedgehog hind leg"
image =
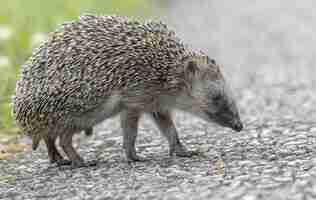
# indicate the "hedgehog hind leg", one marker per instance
pixel 74 158
pixel 53 153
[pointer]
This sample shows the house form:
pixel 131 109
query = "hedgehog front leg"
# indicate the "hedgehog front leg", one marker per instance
pixel 129 125
pixel 168 129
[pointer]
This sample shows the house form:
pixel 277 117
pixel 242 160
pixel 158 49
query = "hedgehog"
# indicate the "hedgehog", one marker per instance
pixel 98 67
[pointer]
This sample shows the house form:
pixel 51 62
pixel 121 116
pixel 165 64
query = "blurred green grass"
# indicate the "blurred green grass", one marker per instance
pixel 24 23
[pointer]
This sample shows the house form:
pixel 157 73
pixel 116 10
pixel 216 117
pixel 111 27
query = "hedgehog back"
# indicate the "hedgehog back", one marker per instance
pixel 84 61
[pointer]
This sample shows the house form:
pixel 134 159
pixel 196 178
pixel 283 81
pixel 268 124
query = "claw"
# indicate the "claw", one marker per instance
pixel 80 164
pixel 136 158
pixel 63 162
pixel 186 153
pixel 181 151
pixel 76 164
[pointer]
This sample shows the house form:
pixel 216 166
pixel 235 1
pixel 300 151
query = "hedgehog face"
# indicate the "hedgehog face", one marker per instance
pixel 209 96
pixel 221 107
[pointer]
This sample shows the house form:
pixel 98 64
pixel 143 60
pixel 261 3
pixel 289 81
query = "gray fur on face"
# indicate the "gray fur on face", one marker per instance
pixel 222 106
pixel 212 97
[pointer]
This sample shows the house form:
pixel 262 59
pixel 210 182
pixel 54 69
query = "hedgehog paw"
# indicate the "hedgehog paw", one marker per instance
pixel 80 164
pixel 181 151
pixel 186 153
pixel 136 158
pixel 63 162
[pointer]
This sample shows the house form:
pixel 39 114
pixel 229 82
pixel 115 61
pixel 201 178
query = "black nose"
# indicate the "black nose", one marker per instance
pixel 238 126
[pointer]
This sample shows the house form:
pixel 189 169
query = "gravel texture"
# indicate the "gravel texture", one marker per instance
pixel 267 49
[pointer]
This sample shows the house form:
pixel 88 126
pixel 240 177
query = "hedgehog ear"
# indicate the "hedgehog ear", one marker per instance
pixel 191 66
pixel 191 69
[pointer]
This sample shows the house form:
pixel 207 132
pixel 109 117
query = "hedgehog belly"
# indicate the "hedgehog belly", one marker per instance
pixel 111 105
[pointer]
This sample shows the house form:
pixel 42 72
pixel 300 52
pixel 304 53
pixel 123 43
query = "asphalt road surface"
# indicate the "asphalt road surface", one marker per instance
pixel 268 51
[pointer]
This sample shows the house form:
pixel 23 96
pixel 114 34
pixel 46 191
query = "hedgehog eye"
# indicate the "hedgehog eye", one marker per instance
pixel 212 61
pixel 216 98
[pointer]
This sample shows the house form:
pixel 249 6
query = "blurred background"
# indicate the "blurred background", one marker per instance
pixel 267 48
